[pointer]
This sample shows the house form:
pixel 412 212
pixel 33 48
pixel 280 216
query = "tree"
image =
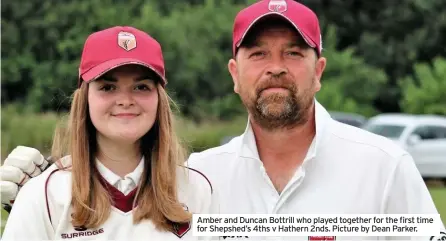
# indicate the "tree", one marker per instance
pixel 390 35
pixel 43 45
pixel 197 52
pixel 348 83
pixel 425 91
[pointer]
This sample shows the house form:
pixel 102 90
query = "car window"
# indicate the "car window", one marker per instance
pixel 356 123
pixel 386 130
pixel 430 132
pixel 440 132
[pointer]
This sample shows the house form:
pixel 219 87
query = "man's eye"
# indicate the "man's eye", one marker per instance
pixel 294 53
pixel 258 54
pixel 107 87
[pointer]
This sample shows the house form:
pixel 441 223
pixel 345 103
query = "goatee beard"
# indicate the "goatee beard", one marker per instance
pixel 287 114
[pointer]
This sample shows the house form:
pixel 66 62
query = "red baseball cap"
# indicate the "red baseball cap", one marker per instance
pixel 117 46
pixel 301 17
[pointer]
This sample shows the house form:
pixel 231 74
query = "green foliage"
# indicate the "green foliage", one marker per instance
pixel 389 35
pixel 369 46
pixel 198 53
pixel 348 84
pixel 425 91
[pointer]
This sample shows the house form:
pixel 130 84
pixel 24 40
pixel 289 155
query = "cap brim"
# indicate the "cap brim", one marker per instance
pixel 281 16
pixel 102 68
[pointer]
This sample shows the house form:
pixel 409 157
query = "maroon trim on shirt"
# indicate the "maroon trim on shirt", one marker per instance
pixel 181 229
pixel 212 190
pixel 120 200
pixel 46 194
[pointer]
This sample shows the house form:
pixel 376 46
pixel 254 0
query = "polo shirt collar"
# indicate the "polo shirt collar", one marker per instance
pixel 249 146
pixel 113 178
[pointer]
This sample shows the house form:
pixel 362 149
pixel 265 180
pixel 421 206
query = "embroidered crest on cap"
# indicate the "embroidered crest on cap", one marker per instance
pixel 279 6
pixel 126 40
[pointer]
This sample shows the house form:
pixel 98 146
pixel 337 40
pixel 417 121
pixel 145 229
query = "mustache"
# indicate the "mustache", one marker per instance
pixel 275 82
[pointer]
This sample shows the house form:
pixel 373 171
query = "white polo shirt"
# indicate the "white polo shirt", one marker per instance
pixel 346 171
pixel 42 209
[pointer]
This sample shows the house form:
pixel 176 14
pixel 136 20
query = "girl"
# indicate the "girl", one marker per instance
pixel 122 176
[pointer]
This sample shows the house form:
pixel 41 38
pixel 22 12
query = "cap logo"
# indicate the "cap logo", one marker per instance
pixel 126 40
pixel 279 6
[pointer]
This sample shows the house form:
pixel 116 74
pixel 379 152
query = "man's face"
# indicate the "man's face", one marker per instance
pixel 277 76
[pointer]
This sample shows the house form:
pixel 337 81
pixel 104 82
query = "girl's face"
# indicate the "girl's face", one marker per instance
pixel 123 103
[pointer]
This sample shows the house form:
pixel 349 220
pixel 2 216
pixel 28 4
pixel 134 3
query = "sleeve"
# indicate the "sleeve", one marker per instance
pixel 213 204
pixel 29 219
pixel 212 207
pixel 408 193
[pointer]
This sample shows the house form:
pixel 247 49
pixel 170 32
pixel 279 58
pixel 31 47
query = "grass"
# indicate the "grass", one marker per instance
pixel 199 137
pixel 4 216
pixel 36 130
pixel 439 196
pixel 26 129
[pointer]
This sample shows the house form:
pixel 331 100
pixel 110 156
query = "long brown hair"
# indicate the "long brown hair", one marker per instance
pixel 157 191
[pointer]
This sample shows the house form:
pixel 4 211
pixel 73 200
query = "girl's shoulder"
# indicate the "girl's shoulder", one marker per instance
pixel 58 170
pixel 54 184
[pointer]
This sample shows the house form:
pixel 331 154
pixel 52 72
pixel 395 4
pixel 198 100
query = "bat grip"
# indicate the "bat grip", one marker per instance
pixel 7 207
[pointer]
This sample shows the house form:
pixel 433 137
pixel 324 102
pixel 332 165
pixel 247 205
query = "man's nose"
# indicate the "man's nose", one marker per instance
pixel 277 67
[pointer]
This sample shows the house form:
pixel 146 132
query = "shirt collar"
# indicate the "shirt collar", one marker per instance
pixel 113 179
pixel 249 146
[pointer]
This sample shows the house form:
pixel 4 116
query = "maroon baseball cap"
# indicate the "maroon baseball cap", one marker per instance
pixel 117 46
pixel 301 17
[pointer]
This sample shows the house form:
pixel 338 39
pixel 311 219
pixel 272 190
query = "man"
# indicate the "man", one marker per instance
pixel 293 158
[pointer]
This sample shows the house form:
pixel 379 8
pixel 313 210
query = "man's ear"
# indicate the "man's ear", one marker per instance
pixel 320 67
pixel 232 67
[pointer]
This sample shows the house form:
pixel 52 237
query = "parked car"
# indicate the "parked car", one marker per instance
pixel 344 117
pixel 226 139
pixel 348 118
pixel 423 136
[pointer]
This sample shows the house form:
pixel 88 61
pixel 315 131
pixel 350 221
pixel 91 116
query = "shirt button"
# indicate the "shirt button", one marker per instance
pixel 125 185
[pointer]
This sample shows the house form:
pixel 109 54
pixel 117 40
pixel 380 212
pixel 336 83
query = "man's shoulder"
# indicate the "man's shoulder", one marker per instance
pixel 215 160
pixel 219 152
pixel 361 139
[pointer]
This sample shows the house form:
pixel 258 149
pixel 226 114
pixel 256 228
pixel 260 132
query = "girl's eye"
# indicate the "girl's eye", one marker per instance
pixel 107 87
pixel 142 87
